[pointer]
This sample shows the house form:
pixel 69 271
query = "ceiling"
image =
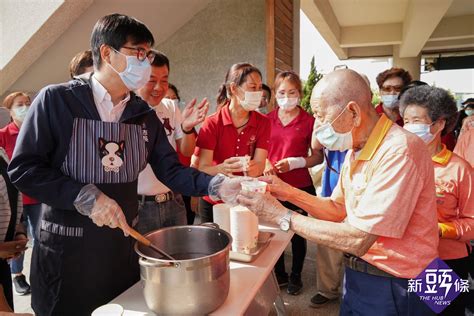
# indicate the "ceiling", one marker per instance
pixel 54 33
pixel 406 28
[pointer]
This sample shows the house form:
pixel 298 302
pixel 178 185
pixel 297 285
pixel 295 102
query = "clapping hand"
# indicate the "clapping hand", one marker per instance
pixel 193 116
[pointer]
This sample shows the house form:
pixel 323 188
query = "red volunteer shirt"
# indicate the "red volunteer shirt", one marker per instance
pixel 379 109
pixel 8 136
pixel 219 134
pixel 292 140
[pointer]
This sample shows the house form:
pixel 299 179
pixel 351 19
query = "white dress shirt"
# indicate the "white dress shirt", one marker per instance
pixel 107 111
pixel 170 116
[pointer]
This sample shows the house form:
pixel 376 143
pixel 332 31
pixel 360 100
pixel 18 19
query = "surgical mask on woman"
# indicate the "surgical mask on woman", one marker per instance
pixel 333 140
pixel 469 112
pixel 251 100
pixel 175 102
pixel 287 103
pixel 389 100
pixel 20 112
pixel 421 130
pixel 136 73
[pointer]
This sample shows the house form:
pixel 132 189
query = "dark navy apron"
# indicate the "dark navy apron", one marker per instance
pixel 78 265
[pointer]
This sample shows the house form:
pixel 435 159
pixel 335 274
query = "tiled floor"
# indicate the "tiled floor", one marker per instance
pixel 299 305
pixel 295 305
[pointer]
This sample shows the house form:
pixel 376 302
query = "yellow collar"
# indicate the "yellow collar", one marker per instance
pixel 443 156
pixel 375 138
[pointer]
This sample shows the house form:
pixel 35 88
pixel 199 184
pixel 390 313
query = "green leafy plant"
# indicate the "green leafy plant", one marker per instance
pixel 375 97
pixel 313 78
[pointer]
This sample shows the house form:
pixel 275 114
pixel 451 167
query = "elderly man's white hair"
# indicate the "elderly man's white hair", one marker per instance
pixel 340 87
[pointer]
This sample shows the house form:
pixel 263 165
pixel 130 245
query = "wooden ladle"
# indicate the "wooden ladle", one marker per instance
pixel 141 239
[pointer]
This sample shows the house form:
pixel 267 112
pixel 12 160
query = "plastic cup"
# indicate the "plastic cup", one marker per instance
pixel 108 310
pixel 254 186
pixel 244 161
pixel 243 229
pixel 221 214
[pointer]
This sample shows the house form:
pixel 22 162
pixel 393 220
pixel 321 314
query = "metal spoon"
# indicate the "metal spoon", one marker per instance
pixel 141 239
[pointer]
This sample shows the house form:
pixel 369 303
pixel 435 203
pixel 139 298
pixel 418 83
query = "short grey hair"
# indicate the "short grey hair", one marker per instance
pixel 439 103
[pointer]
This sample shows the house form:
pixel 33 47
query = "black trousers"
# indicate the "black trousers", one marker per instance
pixel 189 212
pixel 298 244
pixel 205 211
pixel 6 281
pixel 458 306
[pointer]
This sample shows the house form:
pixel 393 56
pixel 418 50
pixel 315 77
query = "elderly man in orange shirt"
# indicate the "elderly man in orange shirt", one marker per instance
pixel 381 212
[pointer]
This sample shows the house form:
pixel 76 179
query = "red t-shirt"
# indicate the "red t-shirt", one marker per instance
pixel 292 140
pixel 219 134
pixel 8 136
pixel 379 109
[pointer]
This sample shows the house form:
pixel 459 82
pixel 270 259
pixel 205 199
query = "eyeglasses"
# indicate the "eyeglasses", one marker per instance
pixel 142 54
pixel 389 89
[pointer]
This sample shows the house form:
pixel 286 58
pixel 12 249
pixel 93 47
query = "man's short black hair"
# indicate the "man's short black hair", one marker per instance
pixel 115 30
pixel 160 60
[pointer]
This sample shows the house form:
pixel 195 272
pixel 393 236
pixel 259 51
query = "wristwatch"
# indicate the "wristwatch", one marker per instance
pixel 285 221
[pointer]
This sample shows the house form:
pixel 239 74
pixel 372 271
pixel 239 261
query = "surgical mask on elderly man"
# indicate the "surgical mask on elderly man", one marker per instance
pixel 333 140
pixel 420 130
pixel 469 112
pixel 389 100
pixel 287 103
pixel 136 73
pixel 251 100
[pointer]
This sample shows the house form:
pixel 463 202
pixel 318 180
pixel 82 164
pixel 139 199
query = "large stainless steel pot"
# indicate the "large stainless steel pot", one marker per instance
pixel 197 283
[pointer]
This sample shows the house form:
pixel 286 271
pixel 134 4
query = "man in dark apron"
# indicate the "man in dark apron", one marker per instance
pixel 79 152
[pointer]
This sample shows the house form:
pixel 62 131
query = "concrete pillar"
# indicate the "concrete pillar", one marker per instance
pixel 411 64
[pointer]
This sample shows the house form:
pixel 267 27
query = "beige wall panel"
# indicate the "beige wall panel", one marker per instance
pixel 223 33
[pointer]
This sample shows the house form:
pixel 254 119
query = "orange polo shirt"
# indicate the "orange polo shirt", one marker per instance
pixel 388 190
pixel 465 145
pixel 454 181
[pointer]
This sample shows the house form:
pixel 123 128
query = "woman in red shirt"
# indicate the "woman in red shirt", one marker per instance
pixel 290 155
pixel 235 130
pixel 18 104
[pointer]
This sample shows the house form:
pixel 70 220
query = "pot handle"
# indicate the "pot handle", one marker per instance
pixel 154 264
pixel 210 224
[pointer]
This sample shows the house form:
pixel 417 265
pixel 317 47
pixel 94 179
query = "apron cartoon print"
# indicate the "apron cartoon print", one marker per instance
pixel 105 152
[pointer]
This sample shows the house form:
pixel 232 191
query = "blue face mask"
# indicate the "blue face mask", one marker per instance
pixel 136 73
pixel 333 140
pixel 20 112
pixel 469 112
pixel 389 101
pixel 421 130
